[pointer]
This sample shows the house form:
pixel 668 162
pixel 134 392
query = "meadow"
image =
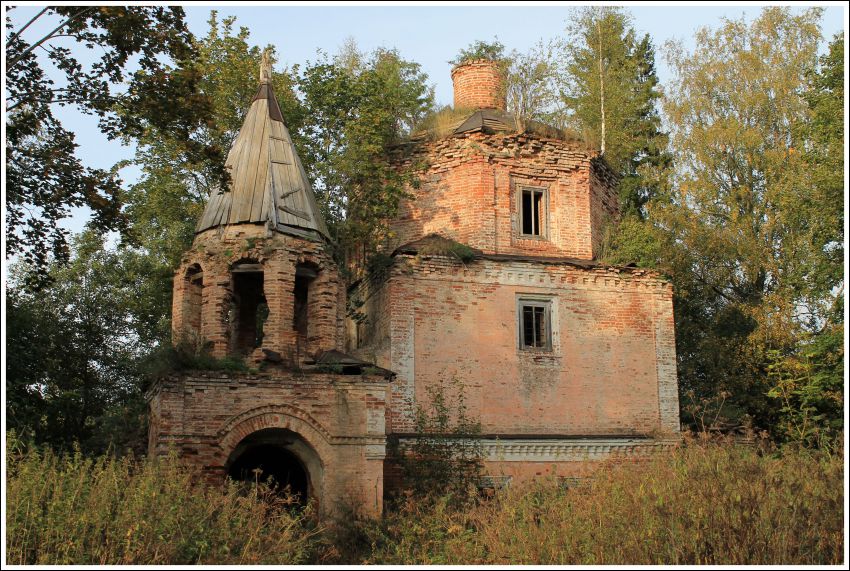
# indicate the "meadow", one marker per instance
pixel 703 503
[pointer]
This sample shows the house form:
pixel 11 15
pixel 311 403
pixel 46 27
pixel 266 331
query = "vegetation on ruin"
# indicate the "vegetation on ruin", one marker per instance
pixel 189 356
pixel 705 503
pixel 741 204
pixel 441 123
pixel 443 453
pixel 447 247
pixel 479 49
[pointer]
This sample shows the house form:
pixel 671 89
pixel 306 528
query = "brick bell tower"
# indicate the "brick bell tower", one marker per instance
pixel 259 284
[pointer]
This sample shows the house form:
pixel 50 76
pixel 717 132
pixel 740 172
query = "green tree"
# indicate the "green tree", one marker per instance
pixel 736 246
pixel 807 380
pixel 444 457
pixel 531 85
pixel 356 107
pixel 44 179
pixel 72 371
pixel 610 93
pixel 479 49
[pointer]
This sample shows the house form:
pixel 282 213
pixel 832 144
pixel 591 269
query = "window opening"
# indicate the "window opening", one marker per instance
pixel 193 300
pixel 251 309
pixel 533 211
pixel 535 329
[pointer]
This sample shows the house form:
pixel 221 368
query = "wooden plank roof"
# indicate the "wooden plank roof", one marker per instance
pixel 268 181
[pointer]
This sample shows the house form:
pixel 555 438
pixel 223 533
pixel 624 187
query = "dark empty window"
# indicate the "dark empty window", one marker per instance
pixel 533 211
pixel 251 310
pixel 535 329
pixel 302 288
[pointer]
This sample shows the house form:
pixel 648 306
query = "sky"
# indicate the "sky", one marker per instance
pixel 430 35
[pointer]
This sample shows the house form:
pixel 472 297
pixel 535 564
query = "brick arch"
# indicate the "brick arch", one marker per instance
pixel 310 260
pixel 284 416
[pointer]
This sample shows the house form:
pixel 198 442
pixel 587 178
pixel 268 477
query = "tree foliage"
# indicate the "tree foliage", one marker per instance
pixel 610 93
pixel 480 49
pixel 356 107
pixel 73 349
pixel 44 178
pixel 531 85
pixel 445 456
pixel 741 238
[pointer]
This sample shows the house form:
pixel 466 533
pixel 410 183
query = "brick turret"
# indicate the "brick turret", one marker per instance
pixel 479 84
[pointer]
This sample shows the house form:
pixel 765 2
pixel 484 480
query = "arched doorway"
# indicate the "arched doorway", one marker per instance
pixel 278 457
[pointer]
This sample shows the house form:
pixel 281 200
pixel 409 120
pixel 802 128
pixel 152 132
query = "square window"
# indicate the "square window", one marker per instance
pixel 532 211
pixel 535 327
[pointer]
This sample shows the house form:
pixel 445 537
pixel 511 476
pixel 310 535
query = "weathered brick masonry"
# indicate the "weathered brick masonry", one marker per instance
pixel 493 280
pixel 469 192
pixel 259 284
pixel 277 257
pixel 478 85
pixel 604 382
pixel 334 424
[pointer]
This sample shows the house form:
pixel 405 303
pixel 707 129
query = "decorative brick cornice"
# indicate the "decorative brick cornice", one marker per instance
pixel 567 449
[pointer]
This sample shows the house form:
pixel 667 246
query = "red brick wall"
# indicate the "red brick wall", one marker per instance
pixel 339 420
pixel 216 250
pixel 469 192
pixel 478 84
pixel 611 370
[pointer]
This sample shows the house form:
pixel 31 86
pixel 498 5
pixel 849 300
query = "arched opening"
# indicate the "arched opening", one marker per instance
pixel 250 309
pixel 279 458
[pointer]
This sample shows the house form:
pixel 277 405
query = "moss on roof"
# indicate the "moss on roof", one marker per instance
pixel 449 121
pixel 437 245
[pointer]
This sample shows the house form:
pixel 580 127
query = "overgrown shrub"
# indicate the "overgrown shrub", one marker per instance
pixel 69 509
pixel 190 355
pixel 479 49
pixel 702 504
pixel 444 457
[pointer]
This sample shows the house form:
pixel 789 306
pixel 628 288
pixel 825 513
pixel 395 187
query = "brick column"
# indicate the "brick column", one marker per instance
pixel 479 84
pixel 215 327
pixel 322 305
pixel 279 289
pixel 178 294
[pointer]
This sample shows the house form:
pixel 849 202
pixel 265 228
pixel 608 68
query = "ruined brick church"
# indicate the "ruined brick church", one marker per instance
pixel 565 361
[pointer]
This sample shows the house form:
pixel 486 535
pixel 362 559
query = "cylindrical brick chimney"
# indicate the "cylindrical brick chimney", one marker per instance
pixel 478 84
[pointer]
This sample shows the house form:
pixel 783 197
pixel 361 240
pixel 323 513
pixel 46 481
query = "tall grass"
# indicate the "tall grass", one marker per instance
pixel 698 505
pixel 76 510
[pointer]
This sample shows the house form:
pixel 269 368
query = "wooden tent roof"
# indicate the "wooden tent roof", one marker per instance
pixel 268 181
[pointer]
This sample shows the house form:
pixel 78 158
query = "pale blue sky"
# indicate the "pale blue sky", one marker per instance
pixel 429 35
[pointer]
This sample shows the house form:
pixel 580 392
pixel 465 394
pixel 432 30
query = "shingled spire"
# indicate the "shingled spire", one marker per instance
pixel 268 181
